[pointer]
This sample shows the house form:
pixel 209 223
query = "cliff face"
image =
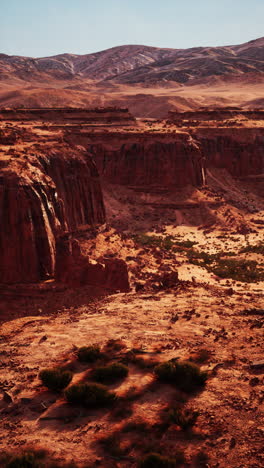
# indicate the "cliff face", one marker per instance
pixel 98 115
pixel 165 162
pixel 41 197
pixel 240 151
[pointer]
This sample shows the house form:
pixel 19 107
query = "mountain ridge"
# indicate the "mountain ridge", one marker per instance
pixel 161 64
pixel 149 80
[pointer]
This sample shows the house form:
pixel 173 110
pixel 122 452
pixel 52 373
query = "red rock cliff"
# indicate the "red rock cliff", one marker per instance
pixel 240 151
pixel 152 160
pixel 40 198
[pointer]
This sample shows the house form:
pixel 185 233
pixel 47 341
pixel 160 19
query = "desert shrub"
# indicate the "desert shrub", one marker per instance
pixel 110 373
pixel 187 244
pixel 146 240
pixel 201 258
pixel 89 395
pixel 88 353
pixel 258 248
pixel 55 379
pixel 184 418
pixel 185 375
pixel 155 460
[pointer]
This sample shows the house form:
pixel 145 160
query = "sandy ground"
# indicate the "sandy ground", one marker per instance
pixel 143 101
pixel 164 324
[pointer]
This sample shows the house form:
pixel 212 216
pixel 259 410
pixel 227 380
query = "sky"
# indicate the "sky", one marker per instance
pixel 39 28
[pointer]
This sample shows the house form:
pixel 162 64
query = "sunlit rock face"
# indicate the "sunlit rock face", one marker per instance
pixel 41 197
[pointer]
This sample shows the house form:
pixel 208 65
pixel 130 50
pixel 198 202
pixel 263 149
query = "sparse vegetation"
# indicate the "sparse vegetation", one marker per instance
pixel 89 353
pixel 184 375
pixel 240 270
pixel 89 395
pixel 186 244
pixel 110 373
pixel 245 271
pixel 164 243
pixel 258 249
pixel 152 241
pixel 184 418
pixel 55 379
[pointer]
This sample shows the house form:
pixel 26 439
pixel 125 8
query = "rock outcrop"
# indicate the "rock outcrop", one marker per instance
pixel 41 197
pixel 74 268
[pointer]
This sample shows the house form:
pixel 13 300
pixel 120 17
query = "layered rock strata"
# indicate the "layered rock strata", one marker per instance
pixel 151 161
pixel 240 151
pixel 41 197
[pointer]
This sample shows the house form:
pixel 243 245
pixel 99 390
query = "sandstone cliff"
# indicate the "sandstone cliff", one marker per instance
pixel 240 151
pixel 151 160
pixel 42 196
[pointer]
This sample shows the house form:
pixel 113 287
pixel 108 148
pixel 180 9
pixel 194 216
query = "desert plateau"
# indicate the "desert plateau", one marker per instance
pixel 131 258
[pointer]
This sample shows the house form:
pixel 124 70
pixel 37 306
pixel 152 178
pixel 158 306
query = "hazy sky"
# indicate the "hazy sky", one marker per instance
pixel 47 27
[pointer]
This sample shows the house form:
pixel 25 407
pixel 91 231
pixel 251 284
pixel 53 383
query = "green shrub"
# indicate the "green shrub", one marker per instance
pixel 154 460
pixel 146 240
pixel 55 379
pixel 185 375
pixel 187 244
pixel 184 418
pixel 88 353
pixel 110 373
pixel 89 395
pixel 240 270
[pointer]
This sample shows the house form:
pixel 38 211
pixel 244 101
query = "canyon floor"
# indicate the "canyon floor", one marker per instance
pixel 186 301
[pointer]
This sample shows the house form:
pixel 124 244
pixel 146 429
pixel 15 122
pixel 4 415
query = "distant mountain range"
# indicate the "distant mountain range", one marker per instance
pixel 133 64
pixel 105 75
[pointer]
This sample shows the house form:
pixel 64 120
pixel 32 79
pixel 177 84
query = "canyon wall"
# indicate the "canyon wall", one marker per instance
pixel 149 160
pixel 42 197
pixel 98 115
pixel 216 114
pixel 239 150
